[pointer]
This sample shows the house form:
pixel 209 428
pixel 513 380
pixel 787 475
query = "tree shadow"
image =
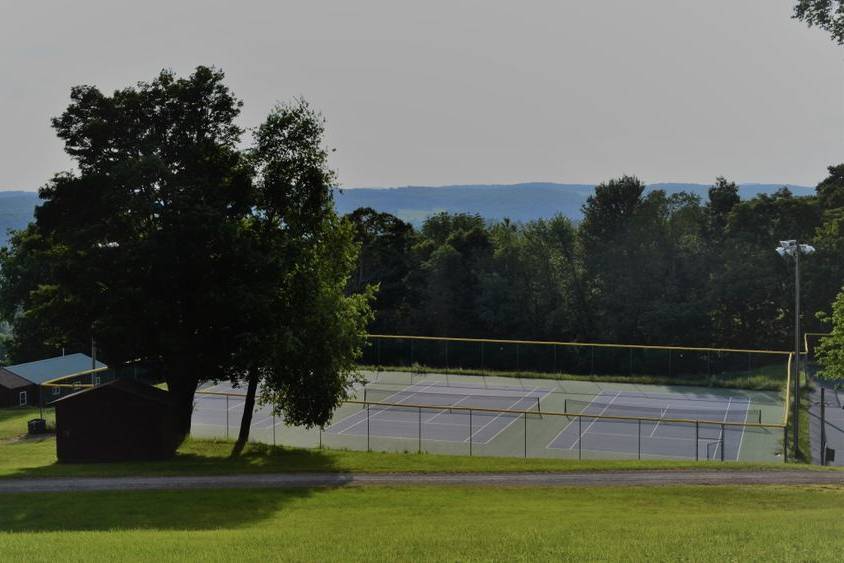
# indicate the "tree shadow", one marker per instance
pixel 191 509
pixel 194 458
pixel 197 509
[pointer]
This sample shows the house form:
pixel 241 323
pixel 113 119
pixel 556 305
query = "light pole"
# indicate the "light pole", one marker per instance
pixel 794 249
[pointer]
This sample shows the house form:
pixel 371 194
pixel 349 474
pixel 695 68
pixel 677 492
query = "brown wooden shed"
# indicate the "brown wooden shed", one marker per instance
pixel 120 420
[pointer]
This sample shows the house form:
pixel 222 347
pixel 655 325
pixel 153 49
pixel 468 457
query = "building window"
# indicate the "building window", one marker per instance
pixel 96 380
pixel 22 399
pixel 56 390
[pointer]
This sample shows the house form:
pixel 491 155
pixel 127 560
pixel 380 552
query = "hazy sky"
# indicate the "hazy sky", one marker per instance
pixel 440 92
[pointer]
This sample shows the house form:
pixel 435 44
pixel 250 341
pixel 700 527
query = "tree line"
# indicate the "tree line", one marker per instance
pixel 640 267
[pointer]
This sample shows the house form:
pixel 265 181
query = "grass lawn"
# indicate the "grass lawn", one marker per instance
pixel 428 523
pixel 37 458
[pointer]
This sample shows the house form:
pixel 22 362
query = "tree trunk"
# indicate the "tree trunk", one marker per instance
pixel 182 390
pixel 248 407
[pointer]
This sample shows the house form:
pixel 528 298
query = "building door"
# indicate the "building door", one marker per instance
pixel 22 399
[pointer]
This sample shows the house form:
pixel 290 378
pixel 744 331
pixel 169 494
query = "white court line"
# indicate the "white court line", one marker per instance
pixel 472 434
pixel 721 433
pixel 384 409
pixel 615 434
pixel 512 421
pixel 660 419
pixel 430 420
pixel 579 438
pixel 554 439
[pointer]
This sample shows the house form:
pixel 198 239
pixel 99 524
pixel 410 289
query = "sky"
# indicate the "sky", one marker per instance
pixel 457 91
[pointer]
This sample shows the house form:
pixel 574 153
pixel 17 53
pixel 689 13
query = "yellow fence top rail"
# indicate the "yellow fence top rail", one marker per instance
pixel 584 344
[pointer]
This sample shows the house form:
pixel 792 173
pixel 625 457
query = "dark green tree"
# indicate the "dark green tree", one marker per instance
pixel 386 259
pixel 825 14
pixel 172 246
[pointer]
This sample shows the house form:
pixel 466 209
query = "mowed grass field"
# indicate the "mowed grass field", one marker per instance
pixel 759 523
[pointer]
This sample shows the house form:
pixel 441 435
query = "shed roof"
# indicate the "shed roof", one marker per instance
pixel 129 386
pixel 43 371
pixel 11 381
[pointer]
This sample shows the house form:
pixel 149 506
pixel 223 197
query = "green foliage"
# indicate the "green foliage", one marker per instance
pixel 172 245
pixel 830 350
pixel 825 14
pixel 642 267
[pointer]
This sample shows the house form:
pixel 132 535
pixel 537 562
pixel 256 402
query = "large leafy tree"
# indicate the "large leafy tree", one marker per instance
pixel 825 14
pixel 171 245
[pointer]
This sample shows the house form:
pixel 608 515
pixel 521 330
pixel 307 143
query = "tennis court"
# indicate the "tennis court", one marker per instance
pixel 500 416
pixel 440 422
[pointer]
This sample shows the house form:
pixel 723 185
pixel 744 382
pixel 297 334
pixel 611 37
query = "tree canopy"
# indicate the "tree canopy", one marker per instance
pixel 825 14
pixel 172 245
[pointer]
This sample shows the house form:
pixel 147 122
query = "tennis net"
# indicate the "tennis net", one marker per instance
pixel 577 406
pixel 461 401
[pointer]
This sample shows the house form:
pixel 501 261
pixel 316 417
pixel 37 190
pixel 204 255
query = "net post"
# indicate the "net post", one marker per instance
pixel 579 437
pixel 722 442
pixel 363 406
pixel 367 428
pixel 538 407
pixel 697 440
pixel 227 417
pixel 419 433
pixel 470 432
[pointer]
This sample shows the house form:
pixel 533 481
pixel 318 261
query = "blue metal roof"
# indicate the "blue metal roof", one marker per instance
pixel 53 368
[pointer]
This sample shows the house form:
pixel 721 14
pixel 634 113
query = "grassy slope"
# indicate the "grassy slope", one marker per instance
pixel 428 523
pixel 37 458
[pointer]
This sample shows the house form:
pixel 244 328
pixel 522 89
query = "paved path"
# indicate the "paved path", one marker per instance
pixel 301 480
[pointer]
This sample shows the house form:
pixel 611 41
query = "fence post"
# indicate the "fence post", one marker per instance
pixel 823 426
pixel 517 357
pixel 524 415
pixel 367 428
pixel 630 367
pixel 669 362
pixel 592 361
pixel 697 440
pixel 555 358
pixel 579 437
pixel 227 417
pixel 378 354
pixel 722 442
pixel 411 353
pixel 273 429
pixel 470 433
pixel 446 354
pixel 320 437
pixel 482 356
pixel 639 434
pixel 419 433
pixel 785 443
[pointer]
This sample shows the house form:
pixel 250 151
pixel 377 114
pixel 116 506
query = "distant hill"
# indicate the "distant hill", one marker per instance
pixel 16 210
pixel 519 202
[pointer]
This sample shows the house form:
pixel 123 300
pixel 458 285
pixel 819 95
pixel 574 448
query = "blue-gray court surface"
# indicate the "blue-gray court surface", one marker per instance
pixel 452 414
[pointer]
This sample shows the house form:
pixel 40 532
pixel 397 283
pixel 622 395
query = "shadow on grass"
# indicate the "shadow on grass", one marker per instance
pixel 144 510
pixel 195 457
